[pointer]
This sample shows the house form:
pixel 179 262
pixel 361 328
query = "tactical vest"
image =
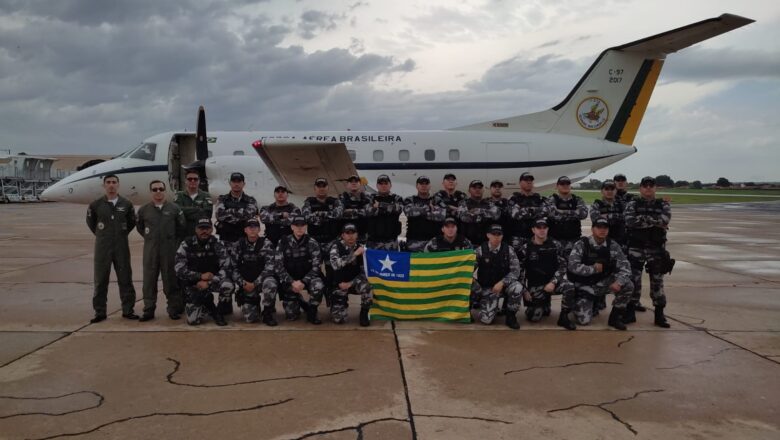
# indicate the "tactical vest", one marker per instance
pixel 384 227
pixel 328 229
pixel 351 270
pixel 202 257
pixel 591 256
pixel 492 268
pixel 420 228
pixel 505 220
pixel 359 203
pixel 648 237
pixel 451 200
pixel 568 228
pixel 297 259
pixel 476 230
pixel 443 245
pixel 232 232
pixel 522 228
pixel 275 231
pixel 251 259
pixel 541 262
pixel 614 214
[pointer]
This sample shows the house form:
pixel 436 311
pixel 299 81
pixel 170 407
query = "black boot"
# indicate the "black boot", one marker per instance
pixel 511 320
pixel 616 319
pixel 563 320
pixel 639 307
pixel 225 307
pixel 364 321
pixel 660 319
pixel 311 313
pixel 219 319
pixel 98 317
pixel 268 316
pixel 629 317
pixel 547 308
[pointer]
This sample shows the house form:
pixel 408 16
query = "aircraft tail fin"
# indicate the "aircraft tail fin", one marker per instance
pixel 610 99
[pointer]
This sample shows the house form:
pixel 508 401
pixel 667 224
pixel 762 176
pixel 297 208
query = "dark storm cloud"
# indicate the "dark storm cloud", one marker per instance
pixel 314 22
pixel 701 65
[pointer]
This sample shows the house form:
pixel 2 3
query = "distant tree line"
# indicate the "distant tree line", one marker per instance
pixel 665 181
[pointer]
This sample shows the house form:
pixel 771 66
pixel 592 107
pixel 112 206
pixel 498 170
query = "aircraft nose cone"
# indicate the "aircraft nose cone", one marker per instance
pixel 54 193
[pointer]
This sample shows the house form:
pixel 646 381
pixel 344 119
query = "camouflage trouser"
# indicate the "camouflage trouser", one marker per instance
pixel 252 300
pixel 587 294
pixel 415 245
pixel 488 299
pixel 534 310
pixel 201 302
pixel 292 301
pixel 641 258
pixel 383 245
pixel 340 301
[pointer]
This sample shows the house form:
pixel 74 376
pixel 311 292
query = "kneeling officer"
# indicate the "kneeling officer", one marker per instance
pixel 253 273
pixel 346 258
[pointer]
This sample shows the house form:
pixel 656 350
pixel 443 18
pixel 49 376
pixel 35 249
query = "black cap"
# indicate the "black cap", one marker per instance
pixel 607 183
pixel 299 220
pixel 496 229
pixel 320 181
pixel 563 180
pixel 423 179
pixel 236 177
pixel 449 176
pixel 497 183
pixel 647 180
pixel 527 176
pixel 476 182
pixel 354 177
pixel 252 222
pixel 281 188
pixel 349 227
pixel 540 221
pixel 383 178
pixel 450 220
pixel 619 177
pixel 203 223
pixel 601 222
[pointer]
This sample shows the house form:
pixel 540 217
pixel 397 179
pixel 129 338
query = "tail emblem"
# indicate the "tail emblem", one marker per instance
pixel 592 113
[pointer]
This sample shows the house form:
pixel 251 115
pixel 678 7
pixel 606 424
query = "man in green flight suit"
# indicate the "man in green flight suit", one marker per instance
pixel 194 203
pixel 162 225
pixel 111 218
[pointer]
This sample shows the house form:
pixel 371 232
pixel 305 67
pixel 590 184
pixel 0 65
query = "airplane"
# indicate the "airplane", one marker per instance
pixel 594 126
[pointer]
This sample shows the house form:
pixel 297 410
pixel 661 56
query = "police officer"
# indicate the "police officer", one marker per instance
pixel 298 260
pixel 423 216
pixel 597 266
pixel 449 239
pixel 610 207
pixel 448 198
pixel 525 206
pixel 323 214
pixel 477 214
pixel 647 220
pixel 276 216
pixel 111 218
pixel 346 258
pixel 498 274
pixel 163 226
pixel 621 184
pixel 194 203
pixel 253 273
pixel 497 198
pixel 383 224
pixel 356 206
pixel 565 213
pixel 203 267
pixel 545 272
pixel 234 209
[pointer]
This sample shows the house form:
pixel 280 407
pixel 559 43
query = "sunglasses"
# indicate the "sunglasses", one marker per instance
pixel 321 185
pixel 193 179
pixel 528 179
pixel 158 189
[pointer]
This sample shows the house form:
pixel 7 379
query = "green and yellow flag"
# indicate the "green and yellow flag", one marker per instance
pixel 434 286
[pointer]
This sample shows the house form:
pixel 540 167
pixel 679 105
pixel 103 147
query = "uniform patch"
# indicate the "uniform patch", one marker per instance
pixel 101 226
pixel 592 113
pixel 146 230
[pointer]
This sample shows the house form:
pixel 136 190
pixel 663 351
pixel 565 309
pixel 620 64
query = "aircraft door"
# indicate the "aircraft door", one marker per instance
pixel 181 151
pixel 514 159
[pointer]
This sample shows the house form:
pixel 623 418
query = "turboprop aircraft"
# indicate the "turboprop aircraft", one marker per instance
pixel 594 126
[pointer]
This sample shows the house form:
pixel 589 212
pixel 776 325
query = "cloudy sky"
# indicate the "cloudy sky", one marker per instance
pixel 90 77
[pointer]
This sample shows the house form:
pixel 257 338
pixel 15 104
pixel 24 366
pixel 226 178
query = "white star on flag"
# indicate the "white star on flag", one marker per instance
pixel 387 263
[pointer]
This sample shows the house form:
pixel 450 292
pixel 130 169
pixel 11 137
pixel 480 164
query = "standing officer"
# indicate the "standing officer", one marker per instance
pixel 346 258
pixel 449 198
pixel 611 208
pixel 477 214
pixel 566 211
pixel 423 216
pixel 647 220
pixel 298 260
pixel 253 273
pixel 234 209
pixel 525 207
pixel 598 267
pixel 545 271
pixel 498 199
pixel 276 216
pixel 449 239
pixel 323 214
pixel 498 274
pixel 621 184
pixel 203 265
pixel 111 218
pixel 163 226
pixel 356 206
pixel 383 224
pixel 194 203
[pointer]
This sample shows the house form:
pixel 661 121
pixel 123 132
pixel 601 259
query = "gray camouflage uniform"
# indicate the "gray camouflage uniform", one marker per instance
pixel 423 221
pixel 475 216
pixel 193 258
pixel 618 270
pixel 557 215
pixel 298 260
pixel 244 255
pixel 232 213
pixel 383 221
pixel 347 268
pixel 532 256
pixel 646 219
pixel 482 287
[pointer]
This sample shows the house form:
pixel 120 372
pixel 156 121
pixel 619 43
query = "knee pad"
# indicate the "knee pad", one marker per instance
pixel 339 300
pixel 534 313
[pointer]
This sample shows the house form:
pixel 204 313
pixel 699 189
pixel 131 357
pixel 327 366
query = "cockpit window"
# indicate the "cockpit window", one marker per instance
pixel 145 151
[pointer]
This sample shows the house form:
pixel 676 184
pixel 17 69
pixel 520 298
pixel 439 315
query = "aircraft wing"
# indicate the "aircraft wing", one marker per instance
pixel 296 163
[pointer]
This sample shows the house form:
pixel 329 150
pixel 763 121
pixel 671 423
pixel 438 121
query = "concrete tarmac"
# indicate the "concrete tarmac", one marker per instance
pixel 714 374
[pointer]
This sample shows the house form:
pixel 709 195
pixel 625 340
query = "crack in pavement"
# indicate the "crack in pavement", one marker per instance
pixel 563 366
pixel 166 414
pixel 630 338
pixel 703 361
pixel 357 428
pixel 611 413
pixel 177 364
pixel 100 397
pixel 482 419
pixel 409 411
pixel 701 321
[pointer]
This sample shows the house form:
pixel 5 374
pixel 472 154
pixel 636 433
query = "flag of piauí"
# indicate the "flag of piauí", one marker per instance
pixel 433 286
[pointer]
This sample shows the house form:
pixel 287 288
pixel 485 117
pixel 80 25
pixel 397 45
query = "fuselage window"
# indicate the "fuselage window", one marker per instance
pixel 454 154
pixel 352 154
pixel 379 155
pixel 403 155
pixel 238 153
pixel 144 152
pixel 430 155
